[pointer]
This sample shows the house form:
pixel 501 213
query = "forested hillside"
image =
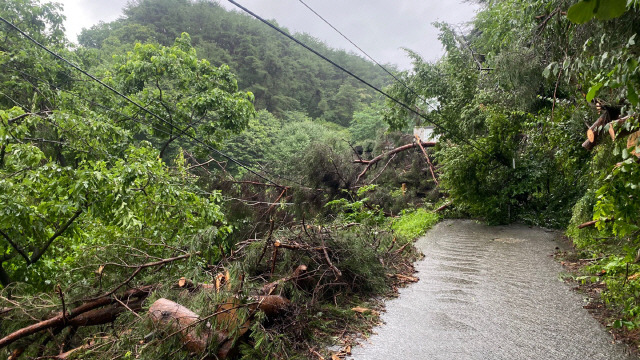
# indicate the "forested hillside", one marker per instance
pixel 186 162
pixel 282 75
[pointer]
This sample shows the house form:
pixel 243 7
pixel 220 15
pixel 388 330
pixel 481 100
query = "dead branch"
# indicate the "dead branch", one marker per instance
pixel 335 270
pixel 377 159
pixel 269 288
pixel 383 169
pixel 258 184
pixel 144 266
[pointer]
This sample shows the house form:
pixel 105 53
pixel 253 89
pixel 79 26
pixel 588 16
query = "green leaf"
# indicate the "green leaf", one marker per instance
pixel 593 91
pixel 632 96
pixel 582 12
pixel 610 9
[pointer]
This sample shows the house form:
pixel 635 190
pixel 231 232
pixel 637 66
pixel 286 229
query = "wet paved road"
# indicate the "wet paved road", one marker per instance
pixel 488 293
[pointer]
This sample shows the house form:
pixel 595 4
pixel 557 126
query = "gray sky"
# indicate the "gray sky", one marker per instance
pixel 379 27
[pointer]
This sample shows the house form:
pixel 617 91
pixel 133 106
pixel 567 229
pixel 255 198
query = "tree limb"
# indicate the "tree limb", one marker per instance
pixel 38 254
pixel 433 174
pixel 61 320
pixel 15 247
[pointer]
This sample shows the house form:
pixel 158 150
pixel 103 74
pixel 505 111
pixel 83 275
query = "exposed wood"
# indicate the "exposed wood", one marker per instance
pixel 177 317
pixel 15 354
pixel 444 206
pixel 370 163
pixel 616 130
pixel 271 305
pixel 594 131
pixel 61 321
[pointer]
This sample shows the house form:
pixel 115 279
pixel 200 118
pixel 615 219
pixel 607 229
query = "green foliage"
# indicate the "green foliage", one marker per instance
pixel 358 211
pixel 586 10
pixel 187 93
pixel 413 224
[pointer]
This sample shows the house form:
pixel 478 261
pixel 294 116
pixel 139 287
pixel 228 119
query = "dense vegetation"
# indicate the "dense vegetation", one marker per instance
pixel 220 143
pixel 514 95
pixel 241 157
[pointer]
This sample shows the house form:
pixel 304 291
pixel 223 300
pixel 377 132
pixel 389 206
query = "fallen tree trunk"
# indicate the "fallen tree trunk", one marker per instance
pixel 62 320
pixel 378 158
pixel 226 321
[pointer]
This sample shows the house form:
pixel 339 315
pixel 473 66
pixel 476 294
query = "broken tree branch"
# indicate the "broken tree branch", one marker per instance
pixel 591 223
pixel 370 163
pixel 61 320
pixel 433 174
pixel 444 206
pixel 144 266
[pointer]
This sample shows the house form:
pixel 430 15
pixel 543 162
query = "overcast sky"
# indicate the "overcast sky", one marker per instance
pixel 380 27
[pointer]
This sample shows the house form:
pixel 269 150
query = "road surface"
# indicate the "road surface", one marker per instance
pixel 488 293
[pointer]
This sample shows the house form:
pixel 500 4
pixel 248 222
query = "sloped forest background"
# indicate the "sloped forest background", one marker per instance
pixel 241 180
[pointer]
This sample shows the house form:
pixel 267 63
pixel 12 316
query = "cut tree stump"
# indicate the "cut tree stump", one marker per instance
pixel 181 319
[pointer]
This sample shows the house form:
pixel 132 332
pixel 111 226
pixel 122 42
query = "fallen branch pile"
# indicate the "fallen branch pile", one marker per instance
pixel 316 263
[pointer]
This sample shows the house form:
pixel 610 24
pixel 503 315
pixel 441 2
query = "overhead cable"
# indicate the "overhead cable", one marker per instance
pixel 403 105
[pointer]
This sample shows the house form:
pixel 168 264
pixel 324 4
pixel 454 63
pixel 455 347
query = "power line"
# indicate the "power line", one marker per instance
pixel 405 106
pixel 181 131
pixel 367 55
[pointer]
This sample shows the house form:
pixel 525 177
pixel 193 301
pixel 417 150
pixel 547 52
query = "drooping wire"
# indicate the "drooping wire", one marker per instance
pixel 385 94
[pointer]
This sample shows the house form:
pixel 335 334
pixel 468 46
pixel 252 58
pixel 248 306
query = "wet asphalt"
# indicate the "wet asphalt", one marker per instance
pixel 488 293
